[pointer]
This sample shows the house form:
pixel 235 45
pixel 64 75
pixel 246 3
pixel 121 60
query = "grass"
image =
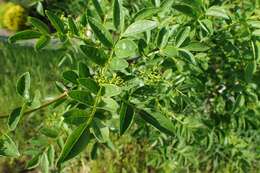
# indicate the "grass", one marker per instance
pixel 15 60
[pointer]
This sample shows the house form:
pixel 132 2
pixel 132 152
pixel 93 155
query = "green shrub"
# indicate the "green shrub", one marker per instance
pixel 186 68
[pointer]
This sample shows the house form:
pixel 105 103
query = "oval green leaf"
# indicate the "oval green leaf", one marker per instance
pixel 182 35
pixel 98 8
pixel 83 70
pixel 186 9
pixel 81 96
pixel 217 11
pixel 55 21
pixel 89 84
pixel 72 26
pixel 51 155
pixel 50 132
pixel 100 131
pixel 38 24
pixel 125 48
pixel 76 116
pixel 158 120
pixel 146 13
pixel 118 64
pixel 139 27
pixel 197 47
pixel 256 33
pixel 8 147
pixel 170 51
pixel 43 41
pixel 110 90
pixel 108 104
pixel 23 85
pixel 24 35
pixel 34 162
pixel 44 163
pixel 126 117
pixel 97 56
pixel 100 32
pixel 15 117
pixel 70 76
pixel 75 144
pixel 118 17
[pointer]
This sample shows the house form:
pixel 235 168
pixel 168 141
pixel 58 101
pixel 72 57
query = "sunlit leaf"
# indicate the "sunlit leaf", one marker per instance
pixel 23 85
pixel 111 90
pixel 100 131
pixel 44 163
pixel 139 27
pixel 125 48
pixel 217 11
pixel 197 47
pixel 8 147
pixel 182 35
pixel 146 13
pixel 42 42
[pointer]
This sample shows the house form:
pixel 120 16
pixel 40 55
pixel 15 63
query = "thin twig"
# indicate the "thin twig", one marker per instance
pixel 63 95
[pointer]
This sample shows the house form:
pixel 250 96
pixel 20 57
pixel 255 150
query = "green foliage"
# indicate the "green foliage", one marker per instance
pixel 39 25
pixel 8 147
pixel 118 14
pixel 100 32
pixel 182 74
pixel 42 42
pixel 56 22
pixel 23 85
pixel 24 35
pixel 139 27
pixel 75 144
pixel 126 117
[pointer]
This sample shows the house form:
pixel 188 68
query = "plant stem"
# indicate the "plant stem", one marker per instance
pixel 63 95
pixel 97 99
pixel 98 96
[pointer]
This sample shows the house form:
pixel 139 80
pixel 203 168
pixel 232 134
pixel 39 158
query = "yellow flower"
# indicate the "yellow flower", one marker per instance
pixel 3 8
pixel 14 17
